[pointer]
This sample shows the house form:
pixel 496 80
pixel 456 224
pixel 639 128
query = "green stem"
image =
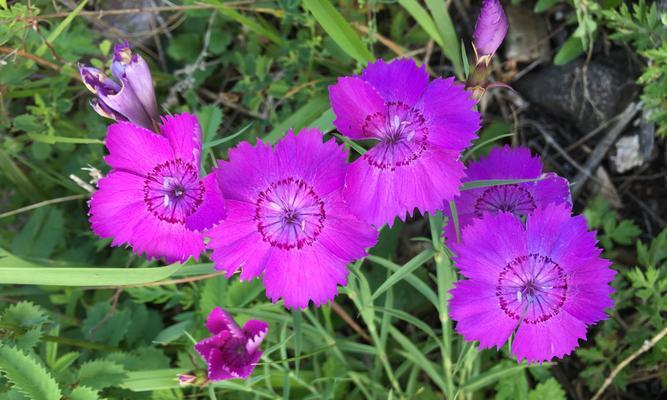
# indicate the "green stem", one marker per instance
pixel 61 340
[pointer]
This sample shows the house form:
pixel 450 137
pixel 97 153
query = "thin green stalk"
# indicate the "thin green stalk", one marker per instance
pixel 445 279
pixel 62 340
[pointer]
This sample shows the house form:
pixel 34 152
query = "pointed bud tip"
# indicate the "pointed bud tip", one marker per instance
pixel 491 28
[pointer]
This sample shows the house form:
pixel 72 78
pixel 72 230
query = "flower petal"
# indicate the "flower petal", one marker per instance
pixel 212 209
pixel 400 80
pixel 184 135
pixel 378 195
pixel 352 101
pixel 135 149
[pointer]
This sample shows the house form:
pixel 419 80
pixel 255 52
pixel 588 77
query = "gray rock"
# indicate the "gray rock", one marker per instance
pixel 580 100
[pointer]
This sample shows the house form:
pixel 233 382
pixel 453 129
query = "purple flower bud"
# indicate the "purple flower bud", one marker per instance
pixel 490 29
pixel 133 98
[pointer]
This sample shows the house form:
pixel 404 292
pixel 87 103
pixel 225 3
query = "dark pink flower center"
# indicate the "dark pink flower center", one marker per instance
pixel 532 288
pixel 289 214
pixel 509 198
pixel 173 191
pixel 235 354
pixel 402 135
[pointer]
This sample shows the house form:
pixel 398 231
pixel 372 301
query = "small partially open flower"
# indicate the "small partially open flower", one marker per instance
pixel 490 30
pixel 131 96
pixel 232 352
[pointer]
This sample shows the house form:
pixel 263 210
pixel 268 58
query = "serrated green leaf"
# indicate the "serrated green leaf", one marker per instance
pixel 210 117
pixel 27 375
pixel 103 325
pixel 514 387
pixel 100 374
pixel 25 314
pixel 212 294
pixel 29 339
pixel 625 232
pixel 549 389
pixel 83 393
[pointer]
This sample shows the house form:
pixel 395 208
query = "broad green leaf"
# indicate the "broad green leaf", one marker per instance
pixel 549 389
pixel 83 393
pixel 571 49
pixel 100 374
pixel 106 326
pixel 41 234
pixel 338 29
pixel 24 314
pixel 302 118
pixel 210 118
pixel 27 375
pixel 173 332
pixel 212 294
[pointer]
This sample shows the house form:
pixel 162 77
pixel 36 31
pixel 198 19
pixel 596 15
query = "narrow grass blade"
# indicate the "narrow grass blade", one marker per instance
pixel 399 275
pixel 338 29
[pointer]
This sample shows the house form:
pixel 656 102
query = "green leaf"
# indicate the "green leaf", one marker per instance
pixel 106 326
pixel 212 294
pixel 544 5
pixel 210 118
pixel 100 374
pixel 571 49
pixel 27 375
pixel 25 314
pixel 149 380
pixel 29 339
pixel 83 393
pixel 399 275
pixel 43 232
pixel 492 375
pixel 625 232
pixel 173 332
pixel 302 118
pixel 423 19
pixel 549 389
pixel 17 271
pixel 338 29
pixel 417 356
pixel 513 387
pixel 494 182
pixel 445 26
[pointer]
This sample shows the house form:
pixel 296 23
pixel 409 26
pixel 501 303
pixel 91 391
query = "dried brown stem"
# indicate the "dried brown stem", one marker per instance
pixel 351 322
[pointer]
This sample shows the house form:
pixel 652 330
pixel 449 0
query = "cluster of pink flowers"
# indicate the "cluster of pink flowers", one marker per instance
pixel 297 213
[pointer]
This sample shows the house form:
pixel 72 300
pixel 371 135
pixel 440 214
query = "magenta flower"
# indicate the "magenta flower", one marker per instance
pixel 490 30
pixel 133 99
pixel 519 199
pixel 232 352
pixel 153 199
pixel 287 218
pixel 545 281
pixel 420 129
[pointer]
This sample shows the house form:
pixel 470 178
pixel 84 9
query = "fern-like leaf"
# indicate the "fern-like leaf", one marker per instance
pixel 27 375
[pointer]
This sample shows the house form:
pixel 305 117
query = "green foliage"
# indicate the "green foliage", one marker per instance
pixel 100 374
pixel 27 375
pixel 644 27
pixel 93 321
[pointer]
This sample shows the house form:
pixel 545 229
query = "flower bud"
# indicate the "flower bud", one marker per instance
pixel 490 30
pixel 131 96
